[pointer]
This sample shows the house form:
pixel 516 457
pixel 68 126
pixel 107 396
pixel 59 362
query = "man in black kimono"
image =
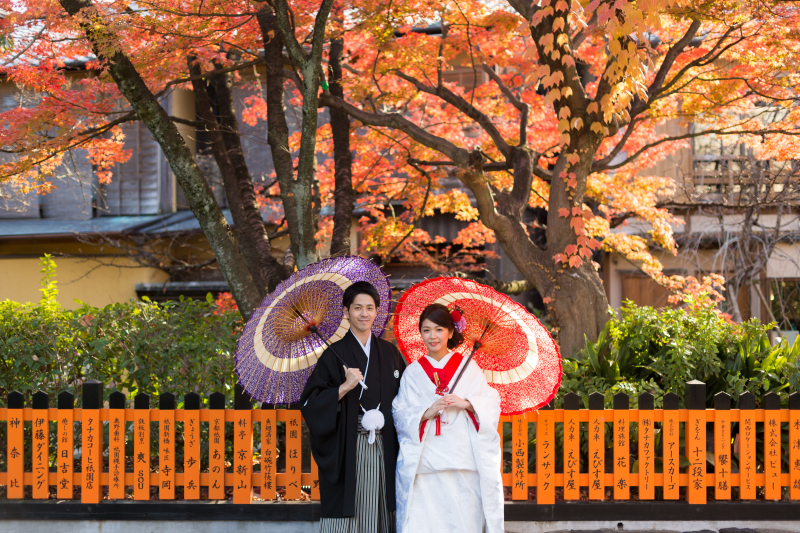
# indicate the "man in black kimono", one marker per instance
pixel 356 479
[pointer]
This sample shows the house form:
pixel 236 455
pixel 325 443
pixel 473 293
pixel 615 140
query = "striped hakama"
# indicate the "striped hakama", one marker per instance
pixel 372 514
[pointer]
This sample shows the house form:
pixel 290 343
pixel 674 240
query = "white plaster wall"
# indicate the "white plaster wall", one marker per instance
pixel 785 261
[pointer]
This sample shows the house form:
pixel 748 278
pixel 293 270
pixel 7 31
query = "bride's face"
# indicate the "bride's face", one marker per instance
pixel 435 336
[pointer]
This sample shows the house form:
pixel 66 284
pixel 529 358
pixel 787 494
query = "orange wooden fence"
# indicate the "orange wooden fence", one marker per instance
pixel 695 476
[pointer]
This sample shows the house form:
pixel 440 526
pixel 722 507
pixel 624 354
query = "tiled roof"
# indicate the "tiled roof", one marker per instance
pixel 180 221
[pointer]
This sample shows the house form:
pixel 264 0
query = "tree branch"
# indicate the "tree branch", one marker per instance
pixel 523 108
pixel 462 105
pixel 419 217
pixel 457 155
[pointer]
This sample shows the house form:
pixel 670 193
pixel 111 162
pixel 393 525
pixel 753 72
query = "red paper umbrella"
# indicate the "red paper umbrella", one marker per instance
pixel 518 357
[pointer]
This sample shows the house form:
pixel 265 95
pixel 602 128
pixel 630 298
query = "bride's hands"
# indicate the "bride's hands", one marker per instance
pixel 451 400
pixel 435 408
pixel 454 401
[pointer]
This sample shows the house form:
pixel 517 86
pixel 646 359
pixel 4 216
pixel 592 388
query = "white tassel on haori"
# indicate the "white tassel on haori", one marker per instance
pixel 371 421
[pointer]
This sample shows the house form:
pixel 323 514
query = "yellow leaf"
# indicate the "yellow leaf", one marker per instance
pixel 566 92
pixel 614 46
pixel 558 24
pixel 563 125
pixel 592 108
pixel 562 39
pixel 552 96
pixel 565 112
pixel 543 71
pixel 546 39
pixel 596 127
pixel 529 52
pixel 565 138
pixel 577 123
pixel 556 55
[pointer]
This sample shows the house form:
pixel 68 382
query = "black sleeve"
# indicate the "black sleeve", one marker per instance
pixel 319 404
pixel 400 359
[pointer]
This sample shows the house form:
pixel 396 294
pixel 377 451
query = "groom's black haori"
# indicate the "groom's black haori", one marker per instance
pixel 334 424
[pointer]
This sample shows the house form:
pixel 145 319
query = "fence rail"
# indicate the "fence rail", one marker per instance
pixel 707 438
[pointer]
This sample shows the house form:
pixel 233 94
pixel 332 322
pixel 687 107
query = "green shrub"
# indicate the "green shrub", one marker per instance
pixel 645 350
pixel 136 346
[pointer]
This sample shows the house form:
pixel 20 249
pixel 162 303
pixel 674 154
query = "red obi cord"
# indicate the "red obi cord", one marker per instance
pixel 441 378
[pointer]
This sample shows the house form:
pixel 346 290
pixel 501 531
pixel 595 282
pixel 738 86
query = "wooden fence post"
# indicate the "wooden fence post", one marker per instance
pixel 597 446
pixel 66 447
pixel 572 446
pixel 646 462
pixel 545 455
pixel 293 455
pixel 242 446
pixel 166 455
pixel 116 446
pixel 722 446
pixel 747 446
pixel 41 446
pixel 622 447
pixel 315 479
pixel 519 457
pixel 216 447
pixel 191 446
pixel 670 433
pixel 91 441
pixel 794 446
pixel 141 447
pixel 268 448
pixel 772 446
pixel 695 441
pixel 15 450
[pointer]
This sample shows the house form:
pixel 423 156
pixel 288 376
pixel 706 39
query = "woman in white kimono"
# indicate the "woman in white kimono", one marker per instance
pixel 448 472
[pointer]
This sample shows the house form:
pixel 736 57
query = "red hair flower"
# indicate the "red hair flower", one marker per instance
pixel 458 320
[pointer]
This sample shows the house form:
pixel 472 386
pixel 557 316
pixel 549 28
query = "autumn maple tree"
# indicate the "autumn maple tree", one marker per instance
pixel 569 118
pixel 552 132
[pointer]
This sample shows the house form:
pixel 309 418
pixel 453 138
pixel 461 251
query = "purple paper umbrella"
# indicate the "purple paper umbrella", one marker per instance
pixel 277 351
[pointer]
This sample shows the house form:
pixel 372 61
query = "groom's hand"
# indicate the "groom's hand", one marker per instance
pixel 351 378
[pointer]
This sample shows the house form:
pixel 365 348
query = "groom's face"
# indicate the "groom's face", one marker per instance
pixel 361 313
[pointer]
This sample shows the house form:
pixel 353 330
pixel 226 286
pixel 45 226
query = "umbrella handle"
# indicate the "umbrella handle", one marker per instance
pixel 475 348
pixel 316 332
pixel 360 382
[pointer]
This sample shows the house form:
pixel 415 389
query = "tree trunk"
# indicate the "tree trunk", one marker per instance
pixel 205 110
pixel 273 271
pixel 309 65
pixel 278 129
pixel 198 192
pixel 343 193
pixel 579 304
